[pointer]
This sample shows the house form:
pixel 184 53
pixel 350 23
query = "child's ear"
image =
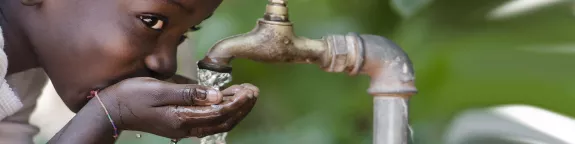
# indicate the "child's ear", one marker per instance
pixel 31 2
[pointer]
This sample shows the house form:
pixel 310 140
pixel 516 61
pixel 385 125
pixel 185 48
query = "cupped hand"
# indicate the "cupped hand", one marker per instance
pixel 177 110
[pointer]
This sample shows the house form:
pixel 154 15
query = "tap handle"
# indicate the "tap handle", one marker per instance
pixel 277 11
pixel 281 2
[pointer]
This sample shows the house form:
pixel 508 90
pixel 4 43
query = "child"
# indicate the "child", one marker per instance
pixel 106 58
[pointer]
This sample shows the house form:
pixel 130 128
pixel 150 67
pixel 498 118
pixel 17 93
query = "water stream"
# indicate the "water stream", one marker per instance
pixel 215 80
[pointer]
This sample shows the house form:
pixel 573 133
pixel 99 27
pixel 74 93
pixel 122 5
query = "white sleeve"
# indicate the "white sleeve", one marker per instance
pixel 9 102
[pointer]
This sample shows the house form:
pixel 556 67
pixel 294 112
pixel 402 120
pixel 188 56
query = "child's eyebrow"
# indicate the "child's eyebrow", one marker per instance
pixel 179 4
pixel 209 16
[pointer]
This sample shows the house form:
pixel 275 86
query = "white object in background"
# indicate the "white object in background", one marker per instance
pixel 517 7
pixel 513 123
pixel 51 114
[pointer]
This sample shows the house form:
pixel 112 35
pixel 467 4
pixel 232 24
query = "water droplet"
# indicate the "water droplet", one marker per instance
pixel 287 41
pixel 138 135
pixel 174 141
pixel 405 68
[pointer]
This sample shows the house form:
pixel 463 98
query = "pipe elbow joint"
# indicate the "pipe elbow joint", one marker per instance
pixel 386 63
pixel 389 67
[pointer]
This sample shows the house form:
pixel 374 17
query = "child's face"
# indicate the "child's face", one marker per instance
pixel 90 44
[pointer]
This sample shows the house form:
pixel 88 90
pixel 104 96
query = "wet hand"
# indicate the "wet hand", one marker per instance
pixel 177 110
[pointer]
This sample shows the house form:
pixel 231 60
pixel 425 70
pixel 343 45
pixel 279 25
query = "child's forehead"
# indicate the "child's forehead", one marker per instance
pixel 190 5
pixel 187 5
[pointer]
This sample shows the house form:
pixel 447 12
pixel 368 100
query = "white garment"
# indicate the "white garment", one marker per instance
pixel 18 95
pixel 16 128
pixel 9 102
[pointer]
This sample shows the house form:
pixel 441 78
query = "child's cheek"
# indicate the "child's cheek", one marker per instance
pixel 121 47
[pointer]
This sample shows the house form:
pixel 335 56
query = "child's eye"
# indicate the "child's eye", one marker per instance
pixel 153 21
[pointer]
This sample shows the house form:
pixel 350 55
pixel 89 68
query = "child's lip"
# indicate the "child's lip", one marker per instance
pixel 100 87
pixel 105 85
pixel 113 81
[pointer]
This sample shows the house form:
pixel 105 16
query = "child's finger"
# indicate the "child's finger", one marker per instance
pixel 232 90
pixel 185 95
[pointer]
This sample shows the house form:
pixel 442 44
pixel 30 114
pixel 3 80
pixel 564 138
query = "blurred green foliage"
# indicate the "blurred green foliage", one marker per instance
pixel 462 60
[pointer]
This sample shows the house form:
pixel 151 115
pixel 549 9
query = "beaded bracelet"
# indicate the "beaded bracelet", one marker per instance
pixel 95 94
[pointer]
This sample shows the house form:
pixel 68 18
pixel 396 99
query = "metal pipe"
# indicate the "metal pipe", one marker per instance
pixel 392 84
pixel 273 40
pixel 390 120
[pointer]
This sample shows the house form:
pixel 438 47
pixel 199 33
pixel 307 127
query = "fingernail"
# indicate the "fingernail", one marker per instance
pixel 200 94
pixel 214 96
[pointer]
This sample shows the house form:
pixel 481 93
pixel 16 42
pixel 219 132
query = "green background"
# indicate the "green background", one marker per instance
pixel 462 60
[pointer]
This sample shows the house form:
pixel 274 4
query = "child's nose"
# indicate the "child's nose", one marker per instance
pixel 162 66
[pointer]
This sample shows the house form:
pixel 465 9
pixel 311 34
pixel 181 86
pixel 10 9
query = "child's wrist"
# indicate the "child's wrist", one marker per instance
pixel 90 125
pixel 97 113
pixel 105 114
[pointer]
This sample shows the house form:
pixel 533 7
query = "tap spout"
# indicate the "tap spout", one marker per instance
pixel 269 41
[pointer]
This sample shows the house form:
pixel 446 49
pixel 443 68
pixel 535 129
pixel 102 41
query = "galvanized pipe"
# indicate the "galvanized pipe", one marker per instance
pixel 392 84
pixel 390 120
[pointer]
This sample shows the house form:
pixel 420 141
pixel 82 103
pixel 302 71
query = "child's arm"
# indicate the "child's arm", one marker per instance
pixel 94 124
pixel 89 126
pixel 161 108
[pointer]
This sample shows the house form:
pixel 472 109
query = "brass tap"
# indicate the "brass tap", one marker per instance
pixel 272 40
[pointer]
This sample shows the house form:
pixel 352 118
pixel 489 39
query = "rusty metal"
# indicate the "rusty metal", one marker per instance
pixel 270 41
pixel 273 41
